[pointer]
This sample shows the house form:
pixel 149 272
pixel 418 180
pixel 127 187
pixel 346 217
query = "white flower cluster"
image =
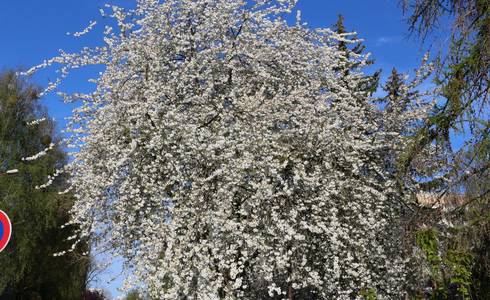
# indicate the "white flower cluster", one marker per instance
pixel 39 154
pixel 36 122
pixel 50 180
pixel 87 29
pixel 224 155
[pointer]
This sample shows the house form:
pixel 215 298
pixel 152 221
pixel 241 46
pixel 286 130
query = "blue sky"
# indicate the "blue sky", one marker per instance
pixel 34 30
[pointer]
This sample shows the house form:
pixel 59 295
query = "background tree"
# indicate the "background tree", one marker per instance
pixel 95 294
pixel 474 234
pixel 463 78
pixel 456 243
pixel 353 48
pixel 462 113
pixel 401 105
pixel 29 270
pixel 133 295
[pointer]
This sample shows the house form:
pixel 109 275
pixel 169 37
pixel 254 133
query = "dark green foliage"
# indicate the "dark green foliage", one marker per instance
pixel 394 100
pixel 474 234
pixel 29 270
pixel 93 295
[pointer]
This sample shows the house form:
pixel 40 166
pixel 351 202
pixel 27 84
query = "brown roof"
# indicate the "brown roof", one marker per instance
pixel 448 200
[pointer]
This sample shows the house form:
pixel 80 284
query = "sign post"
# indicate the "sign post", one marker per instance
pixel 5 230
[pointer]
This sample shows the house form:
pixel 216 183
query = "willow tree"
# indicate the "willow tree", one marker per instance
pixel 29 270
pixel 225 153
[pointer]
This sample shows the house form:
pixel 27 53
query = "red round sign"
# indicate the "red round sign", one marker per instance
pixel 5 230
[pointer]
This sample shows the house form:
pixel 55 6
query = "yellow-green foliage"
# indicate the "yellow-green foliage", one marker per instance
pixel 448 266
pixel 459 263
pixel 368 294
pixel 427 241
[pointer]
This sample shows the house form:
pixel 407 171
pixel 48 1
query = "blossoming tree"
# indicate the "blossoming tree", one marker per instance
pixel 226 154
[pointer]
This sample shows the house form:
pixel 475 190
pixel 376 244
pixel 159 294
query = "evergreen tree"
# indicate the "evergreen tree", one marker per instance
pixel 454 246
pixel 463 77
pixel 461 118
pixel 476 230
pixel 393 91
pixel 29 269
pixel 352 47
pixel 402 101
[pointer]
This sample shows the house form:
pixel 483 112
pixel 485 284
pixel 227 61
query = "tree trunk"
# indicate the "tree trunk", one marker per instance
pixel 290 292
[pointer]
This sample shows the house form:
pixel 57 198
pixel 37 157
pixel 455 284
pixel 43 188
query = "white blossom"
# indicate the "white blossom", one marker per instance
pixel 39 154
pixel 36 122
pixel 86 30
pixel 223 154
